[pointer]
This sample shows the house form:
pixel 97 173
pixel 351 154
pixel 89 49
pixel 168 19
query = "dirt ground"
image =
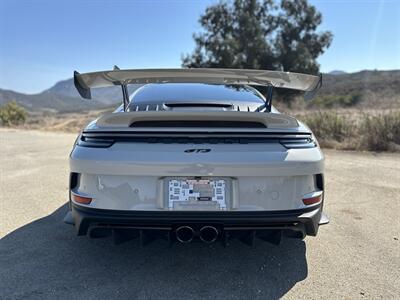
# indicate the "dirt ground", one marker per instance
pixel 356 256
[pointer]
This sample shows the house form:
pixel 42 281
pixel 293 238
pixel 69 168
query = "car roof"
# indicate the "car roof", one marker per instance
pixel 159 93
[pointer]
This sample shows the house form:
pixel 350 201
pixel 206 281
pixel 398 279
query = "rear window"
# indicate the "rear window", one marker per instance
pixel 195 93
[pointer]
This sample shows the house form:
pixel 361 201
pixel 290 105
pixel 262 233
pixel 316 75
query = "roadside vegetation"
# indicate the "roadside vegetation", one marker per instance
pixel 12 114
pixel 334 101
pixel 380 132
pixel 363 131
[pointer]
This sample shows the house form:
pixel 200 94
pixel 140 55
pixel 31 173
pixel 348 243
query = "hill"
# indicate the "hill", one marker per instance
pixel 48 102
pixel 376 89
pixel 108 95
pixel 63 97
pixel 337 72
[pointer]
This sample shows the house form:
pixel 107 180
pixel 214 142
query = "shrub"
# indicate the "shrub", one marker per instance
pixel 12 114
pixel 380 132
pixel 329 101
pixel 329 126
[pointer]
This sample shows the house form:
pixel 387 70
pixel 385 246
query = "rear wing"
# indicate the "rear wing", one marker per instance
pixel 274 79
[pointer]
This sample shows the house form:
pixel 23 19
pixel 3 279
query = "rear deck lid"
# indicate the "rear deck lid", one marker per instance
pixel 195 121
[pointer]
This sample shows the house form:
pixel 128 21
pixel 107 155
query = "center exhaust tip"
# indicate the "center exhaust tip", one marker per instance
pixel 208 234
pixel 184 234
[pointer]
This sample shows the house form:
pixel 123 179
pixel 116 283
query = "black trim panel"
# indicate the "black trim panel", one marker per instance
pixel 90 133
pixel 197 124
pixel 190 214
pixel 85 217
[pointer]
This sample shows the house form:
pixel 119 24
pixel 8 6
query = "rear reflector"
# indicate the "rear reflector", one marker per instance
pixel 312 200
pixel 81 199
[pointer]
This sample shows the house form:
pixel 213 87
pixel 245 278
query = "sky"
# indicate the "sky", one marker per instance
pixel 44 41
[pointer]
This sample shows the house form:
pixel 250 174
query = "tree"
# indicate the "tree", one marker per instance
pixel 235 36
pixel 297 43
pixel 12 114
pixel 257 34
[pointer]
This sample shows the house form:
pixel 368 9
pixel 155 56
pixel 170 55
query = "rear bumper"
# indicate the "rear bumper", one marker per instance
pixel 297 223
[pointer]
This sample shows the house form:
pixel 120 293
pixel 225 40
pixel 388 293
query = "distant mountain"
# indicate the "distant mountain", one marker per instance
pixel 48 102
pixel 108 95
pixel 377 88
pixel 337 72
pixel 386 82
pixel 63 97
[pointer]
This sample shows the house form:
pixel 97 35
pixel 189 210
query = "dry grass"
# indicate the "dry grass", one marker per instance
pixel 64 122
pixel 329 126
pixel 373 131
pixel 381 132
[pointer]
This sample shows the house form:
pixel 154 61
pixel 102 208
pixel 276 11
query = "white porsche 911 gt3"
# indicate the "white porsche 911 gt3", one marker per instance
pixel 196 154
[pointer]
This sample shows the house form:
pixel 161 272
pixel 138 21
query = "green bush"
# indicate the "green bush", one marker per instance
pixel 12 114
pixel 330 101
pixel 329 126
pixel 380 132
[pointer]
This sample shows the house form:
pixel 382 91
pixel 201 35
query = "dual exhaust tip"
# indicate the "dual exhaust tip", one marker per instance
pixel 186 234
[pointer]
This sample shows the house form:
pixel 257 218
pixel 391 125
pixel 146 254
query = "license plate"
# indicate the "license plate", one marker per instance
pixel 196 194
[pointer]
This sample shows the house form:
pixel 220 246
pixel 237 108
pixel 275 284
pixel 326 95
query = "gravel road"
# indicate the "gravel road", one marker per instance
pixel 356 256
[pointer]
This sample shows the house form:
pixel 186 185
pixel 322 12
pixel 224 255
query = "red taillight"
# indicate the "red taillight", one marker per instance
pixel 81 199
pixel 312 199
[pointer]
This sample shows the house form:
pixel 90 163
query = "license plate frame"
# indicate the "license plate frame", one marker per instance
pixel 193 193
